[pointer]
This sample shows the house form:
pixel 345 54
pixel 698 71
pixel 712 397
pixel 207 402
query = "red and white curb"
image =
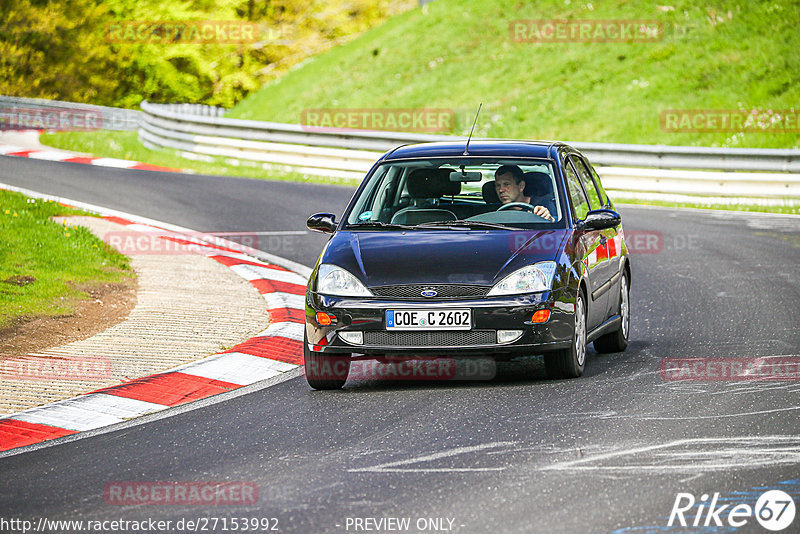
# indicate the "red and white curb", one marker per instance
pixel 274 351
pixel 61 155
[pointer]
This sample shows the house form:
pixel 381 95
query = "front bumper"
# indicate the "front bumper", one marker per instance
pixel 489 314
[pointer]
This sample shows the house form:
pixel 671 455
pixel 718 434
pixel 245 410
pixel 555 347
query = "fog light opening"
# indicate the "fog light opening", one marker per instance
pixel 325 319
pixel 354 338
pixel 508 336
pixel 541 316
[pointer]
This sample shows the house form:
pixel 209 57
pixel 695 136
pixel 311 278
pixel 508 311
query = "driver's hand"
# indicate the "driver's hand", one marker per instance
pixel 541 211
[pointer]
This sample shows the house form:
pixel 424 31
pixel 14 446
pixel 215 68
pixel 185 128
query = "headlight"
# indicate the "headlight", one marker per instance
pixel 333 280
pixel 538 277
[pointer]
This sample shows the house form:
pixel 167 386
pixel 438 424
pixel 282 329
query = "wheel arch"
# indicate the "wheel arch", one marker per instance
pixel 627 270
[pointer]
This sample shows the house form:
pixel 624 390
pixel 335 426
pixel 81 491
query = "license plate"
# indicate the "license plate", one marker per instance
pixel 429 319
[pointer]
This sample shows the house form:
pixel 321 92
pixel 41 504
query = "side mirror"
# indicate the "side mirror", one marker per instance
pixel 601 219
pixel 322 222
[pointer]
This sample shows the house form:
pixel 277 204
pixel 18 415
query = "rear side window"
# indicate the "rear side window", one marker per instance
pixel 588 183
pixel 579 203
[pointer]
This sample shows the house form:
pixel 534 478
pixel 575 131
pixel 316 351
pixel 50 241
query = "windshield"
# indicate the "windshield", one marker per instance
pixel 459 193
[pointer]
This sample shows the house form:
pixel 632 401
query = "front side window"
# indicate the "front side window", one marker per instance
pixel 465 192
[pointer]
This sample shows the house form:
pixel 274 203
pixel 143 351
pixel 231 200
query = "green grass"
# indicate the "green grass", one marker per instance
pixel 126 145
pixel 708 205
pixel 454 54
pixel 43 264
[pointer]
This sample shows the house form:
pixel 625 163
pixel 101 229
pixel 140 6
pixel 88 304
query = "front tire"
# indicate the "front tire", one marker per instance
pixel 569 363
pixel 325 372
pixel 618 341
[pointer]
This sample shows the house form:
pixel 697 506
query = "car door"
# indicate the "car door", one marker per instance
pixel 587 248
pixel 607 254
pixel 613 246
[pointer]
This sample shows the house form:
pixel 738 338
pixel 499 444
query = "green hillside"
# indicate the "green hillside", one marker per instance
pixel 454 54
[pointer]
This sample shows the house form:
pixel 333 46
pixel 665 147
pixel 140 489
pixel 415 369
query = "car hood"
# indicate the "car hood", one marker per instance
pixel 440 256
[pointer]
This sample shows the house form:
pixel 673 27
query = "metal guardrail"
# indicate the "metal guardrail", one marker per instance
pixel 37 113
pixel 350 153
pixel 203 131
pixel 689 157
pixel 171 118
pixel 201 110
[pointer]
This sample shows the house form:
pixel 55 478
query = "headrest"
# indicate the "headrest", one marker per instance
pixel 537 184
pixel 490 193
pixel 432 183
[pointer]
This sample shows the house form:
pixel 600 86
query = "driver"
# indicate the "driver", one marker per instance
pixel 509 182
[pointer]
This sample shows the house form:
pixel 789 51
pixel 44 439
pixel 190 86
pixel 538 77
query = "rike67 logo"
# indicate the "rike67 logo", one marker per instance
pixel 774 510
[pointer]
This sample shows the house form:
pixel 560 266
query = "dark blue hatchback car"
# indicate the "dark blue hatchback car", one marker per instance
pixel 498 249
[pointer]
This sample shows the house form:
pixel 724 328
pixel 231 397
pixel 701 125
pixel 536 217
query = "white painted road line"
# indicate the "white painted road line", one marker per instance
pixel 399 466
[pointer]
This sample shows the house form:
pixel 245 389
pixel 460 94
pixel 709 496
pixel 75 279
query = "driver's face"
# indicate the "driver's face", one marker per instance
pixel 508 190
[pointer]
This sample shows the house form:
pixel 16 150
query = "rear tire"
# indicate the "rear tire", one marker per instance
pixel 569 363
pixel 325 372
pixel 618 341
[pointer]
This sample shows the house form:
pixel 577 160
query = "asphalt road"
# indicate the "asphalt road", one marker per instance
pixel 608 452
pixel 202 203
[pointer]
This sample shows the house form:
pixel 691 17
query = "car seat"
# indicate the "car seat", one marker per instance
pixel 489 193
pixel 539 187
pixel 426 186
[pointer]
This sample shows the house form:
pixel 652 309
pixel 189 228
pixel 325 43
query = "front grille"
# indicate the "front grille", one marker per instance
pixel 443 291
pixel 466 338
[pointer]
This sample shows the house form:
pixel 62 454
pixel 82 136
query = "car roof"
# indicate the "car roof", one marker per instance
pixel 485 148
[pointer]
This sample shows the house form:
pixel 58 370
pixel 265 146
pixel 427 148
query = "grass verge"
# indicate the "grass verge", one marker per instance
pixel 43 263
pixel 792 210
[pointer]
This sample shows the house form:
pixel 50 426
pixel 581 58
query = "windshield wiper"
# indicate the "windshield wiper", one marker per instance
pixel 462 223
pixel 382 225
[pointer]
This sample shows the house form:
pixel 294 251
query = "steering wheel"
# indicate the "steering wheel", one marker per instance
pixel 524 205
